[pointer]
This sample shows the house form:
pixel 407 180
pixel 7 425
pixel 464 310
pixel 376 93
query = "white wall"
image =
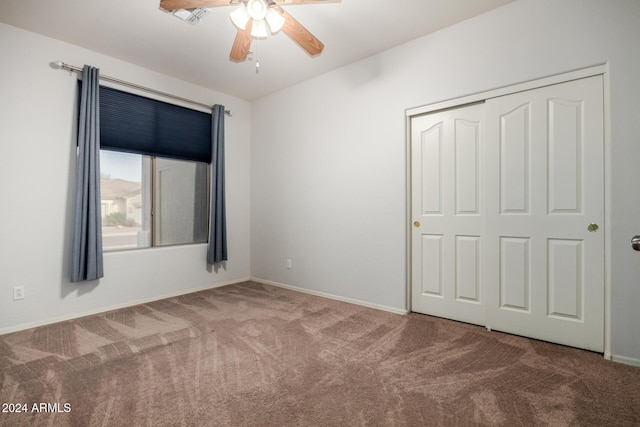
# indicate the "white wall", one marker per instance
pixel 328 155
pixel 37 158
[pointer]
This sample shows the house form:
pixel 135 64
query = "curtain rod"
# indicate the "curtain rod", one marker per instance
pixel 61 65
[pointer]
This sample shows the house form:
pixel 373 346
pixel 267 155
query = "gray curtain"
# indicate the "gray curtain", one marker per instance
pixel 217 247
pixel 86 261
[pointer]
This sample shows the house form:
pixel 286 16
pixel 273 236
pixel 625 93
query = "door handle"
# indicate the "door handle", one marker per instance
pixel 635 243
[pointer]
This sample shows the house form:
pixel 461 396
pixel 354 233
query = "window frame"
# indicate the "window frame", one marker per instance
pixel 153 217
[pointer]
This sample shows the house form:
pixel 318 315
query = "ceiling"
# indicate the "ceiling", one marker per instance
pixel 137 31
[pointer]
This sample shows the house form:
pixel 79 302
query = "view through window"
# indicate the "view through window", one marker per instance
pixel 149 201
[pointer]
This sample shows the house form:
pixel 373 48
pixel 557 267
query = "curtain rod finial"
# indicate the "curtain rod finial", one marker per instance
pixel 56 64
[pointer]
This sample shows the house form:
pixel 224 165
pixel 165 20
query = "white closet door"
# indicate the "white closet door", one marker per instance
pixel 545 213
pixel 447 215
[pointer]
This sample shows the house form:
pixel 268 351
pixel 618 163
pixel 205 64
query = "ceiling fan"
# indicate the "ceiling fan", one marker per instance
pixel 252 18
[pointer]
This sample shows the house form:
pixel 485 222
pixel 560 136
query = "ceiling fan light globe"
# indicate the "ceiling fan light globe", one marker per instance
pixel 240 17
pixel 275 20
pixel 257 9
pixel 259 29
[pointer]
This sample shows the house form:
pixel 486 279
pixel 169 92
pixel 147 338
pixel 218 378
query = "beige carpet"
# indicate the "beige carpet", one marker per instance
pixel 256 355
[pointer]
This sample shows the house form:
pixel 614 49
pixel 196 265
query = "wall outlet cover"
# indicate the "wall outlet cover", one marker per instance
pixel 18 292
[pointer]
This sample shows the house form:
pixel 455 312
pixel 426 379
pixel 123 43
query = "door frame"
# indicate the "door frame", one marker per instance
pixel 410 113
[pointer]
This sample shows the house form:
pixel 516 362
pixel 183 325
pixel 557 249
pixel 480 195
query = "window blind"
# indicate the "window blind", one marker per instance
pixel 136 124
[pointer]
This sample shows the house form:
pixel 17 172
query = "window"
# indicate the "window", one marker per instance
pixel 154 164
pixel 152 201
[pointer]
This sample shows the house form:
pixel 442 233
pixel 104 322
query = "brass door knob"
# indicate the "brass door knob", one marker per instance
pixel 593 227
pixel 416 224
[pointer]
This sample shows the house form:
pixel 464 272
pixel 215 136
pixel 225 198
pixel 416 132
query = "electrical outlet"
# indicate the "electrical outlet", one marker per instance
pixel 289 264
pixel 18 292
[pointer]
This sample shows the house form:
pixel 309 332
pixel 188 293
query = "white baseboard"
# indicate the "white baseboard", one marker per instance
pixel 30 325
pixel 625 360
pixel 332 296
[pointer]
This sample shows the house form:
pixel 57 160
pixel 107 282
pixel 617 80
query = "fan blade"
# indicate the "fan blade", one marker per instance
pixel 194 4
pixel 242 43
pixel 300 34
pixel 286 2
